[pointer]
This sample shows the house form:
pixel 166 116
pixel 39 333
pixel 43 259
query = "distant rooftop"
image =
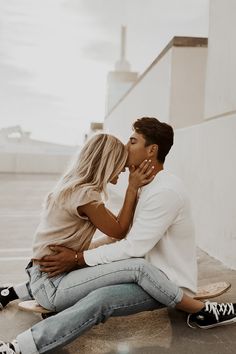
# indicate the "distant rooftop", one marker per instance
pixel 15 139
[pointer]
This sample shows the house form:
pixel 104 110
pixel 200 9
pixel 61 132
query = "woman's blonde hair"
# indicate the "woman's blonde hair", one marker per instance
pixel 101 159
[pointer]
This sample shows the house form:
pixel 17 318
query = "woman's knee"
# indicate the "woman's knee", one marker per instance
pixel 139 263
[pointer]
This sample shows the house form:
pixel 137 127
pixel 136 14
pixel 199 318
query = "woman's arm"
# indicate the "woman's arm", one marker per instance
pixel 107 223
pixel 104 220
pixel 100 241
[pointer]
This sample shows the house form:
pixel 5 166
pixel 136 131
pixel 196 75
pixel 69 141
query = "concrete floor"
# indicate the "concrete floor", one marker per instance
pixel 160 331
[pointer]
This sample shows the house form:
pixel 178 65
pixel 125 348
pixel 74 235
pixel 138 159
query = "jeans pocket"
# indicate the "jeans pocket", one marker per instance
pixel 42 288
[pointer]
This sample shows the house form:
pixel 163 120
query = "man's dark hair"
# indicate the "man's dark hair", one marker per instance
pixel 155 132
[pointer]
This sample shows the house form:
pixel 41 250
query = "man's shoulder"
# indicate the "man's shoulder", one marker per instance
pixel 165 183
pixel 165 180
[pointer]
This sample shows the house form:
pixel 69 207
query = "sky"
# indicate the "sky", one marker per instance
pixel 55 56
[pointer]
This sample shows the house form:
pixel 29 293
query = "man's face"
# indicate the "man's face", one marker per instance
pixel 137 150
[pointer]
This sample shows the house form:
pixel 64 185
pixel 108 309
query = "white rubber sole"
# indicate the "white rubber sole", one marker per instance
pixel 218 324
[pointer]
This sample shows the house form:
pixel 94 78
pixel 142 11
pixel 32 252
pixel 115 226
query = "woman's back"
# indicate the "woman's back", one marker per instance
pixel 61 224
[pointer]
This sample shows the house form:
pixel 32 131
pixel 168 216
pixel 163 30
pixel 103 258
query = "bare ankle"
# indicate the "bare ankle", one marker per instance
pixel 190 305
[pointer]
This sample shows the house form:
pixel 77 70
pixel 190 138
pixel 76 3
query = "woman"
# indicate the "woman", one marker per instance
pixel 63 221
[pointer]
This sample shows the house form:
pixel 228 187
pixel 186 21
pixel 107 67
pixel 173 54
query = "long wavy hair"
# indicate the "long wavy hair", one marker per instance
pixel 101 159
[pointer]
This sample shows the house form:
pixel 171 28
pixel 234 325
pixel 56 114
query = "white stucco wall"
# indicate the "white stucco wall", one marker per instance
pixel 221 68
pixel 204 157
pixel 187 85
pixel 150 97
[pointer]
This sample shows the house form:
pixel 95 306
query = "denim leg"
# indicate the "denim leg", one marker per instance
pixel 96 307
pixel 79 283
pixel 23 291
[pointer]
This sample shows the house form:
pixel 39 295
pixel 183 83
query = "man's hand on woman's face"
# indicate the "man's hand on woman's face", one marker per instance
pixel 63 261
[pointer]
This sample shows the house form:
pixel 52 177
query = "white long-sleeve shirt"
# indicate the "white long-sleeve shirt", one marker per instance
pixel 162 231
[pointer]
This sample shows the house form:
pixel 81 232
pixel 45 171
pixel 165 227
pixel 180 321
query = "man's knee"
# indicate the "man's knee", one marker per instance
pixel 139 262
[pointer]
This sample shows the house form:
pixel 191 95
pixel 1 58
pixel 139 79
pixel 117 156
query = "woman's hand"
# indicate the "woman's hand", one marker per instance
pixel 142 175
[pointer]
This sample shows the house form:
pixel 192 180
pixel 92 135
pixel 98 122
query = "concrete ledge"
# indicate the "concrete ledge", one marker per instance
pixel 175 42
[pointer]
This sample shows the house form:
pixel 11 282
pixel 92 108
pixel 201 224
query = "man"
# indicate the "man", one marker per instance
pixel 162 231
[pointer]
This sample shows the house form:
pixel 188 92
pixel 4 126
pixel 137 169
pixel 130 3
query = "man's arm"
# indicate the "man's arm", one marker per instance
pixel 155 216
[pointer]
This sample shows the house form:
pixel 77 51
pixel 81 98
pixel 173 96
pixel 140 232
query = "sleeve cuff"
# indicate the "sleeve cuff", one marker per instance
pixel 90 257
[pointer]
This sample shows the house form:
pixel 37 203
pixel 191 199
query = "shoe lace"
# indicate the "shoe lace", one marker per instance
pixel 218 309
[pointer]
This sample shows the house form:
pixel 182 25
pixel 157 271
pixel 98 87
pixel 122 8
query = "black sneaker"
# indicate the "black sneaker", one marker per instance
pixel 4 297
pixel 7 294
pixel 213 315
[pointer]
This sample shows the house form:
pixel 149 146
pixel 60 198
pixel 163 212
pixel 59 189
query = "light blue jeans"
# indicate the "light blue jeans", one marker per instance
pixel 89 296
